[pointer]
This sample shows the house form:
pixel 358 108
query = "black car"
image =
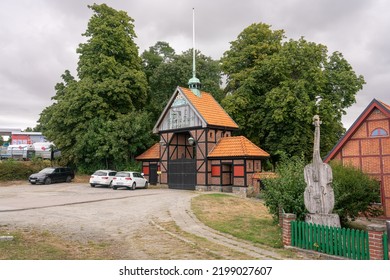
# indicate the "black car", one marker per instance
pixel 52 175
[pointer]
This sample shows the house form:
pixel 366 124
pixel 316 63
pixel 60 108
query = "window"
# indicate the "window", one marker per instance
pixel 379 132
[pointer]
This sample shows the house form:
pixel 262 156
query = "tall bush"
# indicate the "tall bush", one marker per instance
pixel 286 190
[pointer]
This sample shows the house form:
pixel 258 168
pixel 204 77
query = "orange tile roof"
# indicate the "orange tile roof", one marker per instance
pixel 152 153
pixel 237 146
pixel 209 109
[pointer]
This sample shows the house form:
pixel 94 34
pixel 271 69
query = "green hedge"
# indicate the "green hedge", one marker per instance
pixel 20 170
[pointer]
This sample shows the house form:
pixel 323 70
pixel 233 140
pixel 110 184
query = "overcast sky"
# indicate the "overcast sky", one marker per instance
pixel 38 40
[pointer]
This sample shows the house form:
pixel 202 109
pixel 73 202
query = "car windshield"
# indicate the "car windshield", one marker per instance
pixel 47 170
pixel 100 173
pixel 122 174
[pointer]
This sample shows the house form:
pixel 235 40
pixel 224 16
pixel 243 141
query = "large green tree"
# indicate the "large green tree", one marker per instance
pixel 166 70
pixel 98 120
pixel 275 86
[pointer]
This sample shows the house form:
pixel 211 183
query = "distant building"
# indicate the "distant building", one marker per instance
pixel 19 138
pixel 5 133
pixel 366 145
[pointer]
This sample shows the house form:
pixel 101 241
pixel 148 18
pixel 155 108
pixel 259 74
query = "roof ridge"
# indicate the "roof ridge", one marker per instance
pixel 384 104
pixel 375 103
pixel 236 146
pixel 218 116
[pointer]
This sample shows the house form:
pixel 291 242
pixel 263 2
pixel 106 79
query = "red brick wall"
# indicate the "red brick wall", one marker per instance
pixel 371 154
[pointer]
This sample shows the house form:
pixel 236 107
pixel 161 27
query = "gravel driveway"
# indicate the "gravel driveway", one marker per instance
pixel 133 219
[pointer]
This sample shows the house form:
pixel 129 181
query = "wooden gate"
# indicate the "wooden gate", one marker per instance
pixel 182 174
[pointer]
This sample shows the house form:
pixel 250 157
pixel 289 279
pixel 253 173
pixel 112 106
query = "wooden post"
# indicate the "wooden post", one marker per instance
pixel 286 228
pixel 375 242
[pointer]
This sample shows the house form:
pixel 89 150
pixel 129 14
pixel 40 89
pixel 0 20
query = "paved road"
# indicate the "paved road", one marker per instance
pixel 74 208
pixel 84 213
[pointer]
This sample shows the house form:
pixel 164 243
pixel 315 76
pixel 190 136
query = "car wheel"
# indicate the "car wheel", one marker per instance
pixel 92 185
pixel 68 179
pixel 114 187
pixel 133 186
pixel 47 181
pixel 146 185
pixel 32 183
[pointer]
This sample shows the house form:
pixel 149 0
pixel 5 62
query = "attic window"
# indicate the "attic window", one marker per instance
pixel 379 132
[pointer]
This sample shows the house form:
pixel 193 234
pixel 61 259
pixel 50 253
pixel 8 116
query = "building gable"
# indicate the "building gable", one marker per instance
pixel 179 113
pixel 187 110
pixel 363 127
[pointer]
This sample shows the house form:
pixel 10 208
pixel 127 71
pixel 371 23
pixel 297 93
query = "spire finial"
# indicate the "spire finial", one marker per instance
pixel 194 82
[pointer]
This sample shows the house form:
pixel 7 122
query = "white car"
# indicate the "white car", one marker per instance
pixel 129 180
pixel 102 178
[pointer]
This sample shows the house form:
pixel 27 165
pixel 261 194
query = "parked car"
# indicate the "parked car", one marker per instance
pixel 102 178
pixel 130 180
pixel 52 175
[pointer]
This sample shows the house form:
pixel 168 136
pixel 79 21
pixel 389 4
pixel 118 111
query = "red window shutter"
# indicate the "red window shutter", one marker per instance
pixel 239 171
pixel 216 170
pixel 145 170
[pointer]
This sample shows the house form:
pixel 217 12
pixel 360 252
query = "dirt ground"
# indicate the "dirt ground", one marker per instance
pixel 153 224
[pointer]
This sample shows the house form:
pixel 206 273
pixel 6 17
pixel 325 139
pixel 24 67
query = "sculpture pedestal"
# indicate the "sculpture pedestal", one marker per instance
pixel 331 220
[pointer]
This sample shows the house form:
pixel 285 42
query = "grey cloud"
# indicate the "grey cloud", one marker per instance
pixel 38 39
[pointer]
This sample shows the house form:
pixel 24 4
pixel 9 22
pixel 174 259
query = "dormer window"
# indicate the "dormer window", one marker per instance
pixel 379 132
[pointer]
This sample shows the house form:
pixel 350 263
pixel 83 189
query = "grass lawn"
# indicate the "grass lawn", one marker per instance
pixel 246 219
pixel 35 245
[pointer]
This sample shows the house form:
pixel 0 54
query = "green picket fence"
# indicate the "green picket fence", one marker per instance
pixel 348 243
pixel 385 247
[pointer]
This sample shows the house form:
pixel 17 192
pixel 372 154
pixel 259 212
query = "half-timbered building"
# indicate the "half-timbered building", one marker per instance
pixel 366 145
pixel 197 149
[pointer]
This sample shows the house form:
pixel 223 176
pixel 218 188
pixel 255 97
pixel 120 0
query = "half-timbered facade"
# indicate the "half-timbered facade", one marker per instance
pixel 366 145
pixel 196 148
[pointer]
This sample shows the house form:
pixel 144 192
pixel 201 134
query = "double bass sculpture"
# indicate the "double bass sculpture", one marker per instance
pixel 319 195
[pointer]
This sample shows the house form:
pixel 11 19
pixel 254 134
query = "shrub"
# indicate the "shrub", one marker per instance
pixel 286 190
pixel 20 170
pixel 354 191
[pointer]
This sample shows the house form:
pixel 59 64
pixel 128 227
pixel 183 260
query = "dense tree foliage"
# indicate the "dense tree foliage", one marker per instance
pixel 274 86
pixel 98 120
pixel 166 70
pixel 355 192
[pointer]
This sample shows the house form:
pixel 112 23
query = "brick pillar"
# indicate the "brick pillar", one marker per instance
pixel 375 241
pixel 286 228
